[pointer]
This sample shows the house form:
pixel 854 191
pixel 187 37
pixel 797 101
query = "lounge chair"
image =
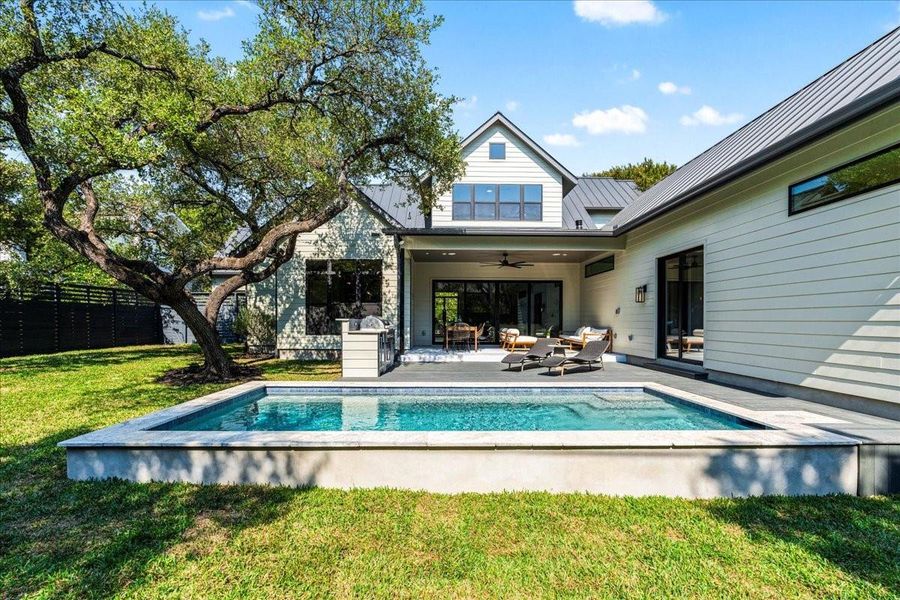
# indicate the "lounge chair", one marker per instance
pixel 541 349
pixel 585 334
pixel 510 339
pixel 591 353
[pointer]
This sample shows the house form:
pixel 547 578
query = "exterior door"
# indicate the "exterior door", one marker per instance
pixel 532 307
pixel 680 325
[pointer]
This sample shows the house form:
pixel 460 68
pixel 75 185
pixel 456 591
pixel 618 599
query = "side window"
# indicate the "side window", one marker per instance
pixel 863 175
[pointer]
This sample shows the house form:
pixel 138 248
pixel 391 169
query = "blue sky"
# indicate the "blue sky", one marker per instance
pixel 599 84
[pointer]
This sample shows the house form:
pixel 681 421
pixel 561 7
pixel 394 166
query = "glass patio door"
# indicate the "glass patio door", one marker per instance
pixel 681 306
pixel 532 307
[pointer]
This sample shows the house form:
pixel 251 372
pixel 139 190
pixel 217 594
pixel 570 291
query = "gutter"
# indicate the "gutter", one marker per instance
pixel 881 98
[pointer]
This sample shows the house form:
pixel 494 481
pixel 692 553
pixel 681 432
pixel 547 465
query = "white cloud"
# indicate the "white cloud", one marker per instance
pixel 624 12
pixel 512 105
pixel 668 88
pixel 635 74
pixel 215 15
pixel 467 103
pixel 707 115
pixel 561 139
pixel 622 119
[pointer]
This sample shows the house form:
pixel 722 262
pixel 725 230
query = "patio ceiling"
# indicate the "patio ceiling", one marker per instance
pixel 513 243
pixel 490 256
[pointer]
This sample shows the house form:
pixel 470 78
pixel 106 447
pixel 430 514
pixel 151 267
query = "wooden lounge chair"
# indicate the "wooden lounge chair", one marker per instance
pixel 585 334
pixel 591 353
pixel 510 339
pixel 541 349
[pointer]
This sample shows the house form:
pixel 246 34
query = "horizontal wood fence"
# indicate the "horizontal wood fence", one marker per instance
pixel 55 318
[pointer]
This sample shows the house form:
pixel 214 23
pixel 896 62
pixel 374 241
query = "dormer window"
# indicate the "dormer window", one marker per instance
pixel 497 151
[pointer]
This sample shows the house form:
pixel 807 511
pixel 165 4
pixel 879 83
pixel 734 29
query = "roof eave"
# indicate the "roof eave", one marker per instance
pixel 458 231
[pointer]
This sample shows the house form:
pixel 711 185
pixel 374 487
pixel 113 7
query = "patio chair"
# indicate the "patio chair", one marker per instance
pixel 460 334
pixel 591 353
pixel 541 349
pixel 583 335
pixel 511 339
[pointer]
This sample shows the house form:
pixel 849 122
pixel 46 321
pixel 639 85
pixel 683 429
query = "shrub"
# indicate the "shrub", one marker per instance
pixel 257 327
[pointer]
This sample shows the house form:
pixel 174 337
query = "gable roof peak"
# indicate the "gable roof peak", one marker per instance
pixel 501 119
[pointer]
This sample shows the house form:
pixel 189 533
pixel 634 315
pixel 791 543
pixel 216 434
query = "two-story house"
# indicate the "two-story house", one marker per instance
pixel 771 260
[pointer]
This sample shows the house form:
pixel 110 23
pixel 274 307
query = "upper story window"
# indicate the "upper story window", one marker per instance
pixel 497 151
pixel 862 175
pixel 491 202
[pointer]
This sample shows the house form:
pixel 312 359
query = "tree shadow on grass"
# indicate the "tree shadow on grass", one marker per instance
pixel 79 359
pixel 89 539
pixel 861 536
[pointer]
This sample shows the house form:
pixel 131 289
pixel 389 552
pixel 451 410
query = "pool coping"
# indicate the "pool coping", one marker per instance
pixel 785 428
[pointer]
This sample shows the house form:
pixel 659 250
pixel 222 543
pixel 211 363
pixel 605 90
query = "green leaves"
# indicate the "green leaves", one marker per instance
pixel 645 173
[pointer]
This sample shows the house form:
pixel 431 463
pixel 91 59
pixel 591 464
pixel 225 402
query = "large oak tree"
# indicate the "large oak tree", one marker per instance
pixel 149 154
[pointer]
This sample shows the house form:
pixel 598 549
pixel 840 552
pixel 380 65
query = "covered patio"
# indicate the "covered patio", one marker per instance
pixel 530 281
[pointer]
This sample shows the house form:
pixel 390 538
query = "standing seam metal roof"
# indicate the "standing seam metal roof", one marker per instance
pixel 399 204
pixel 874 69
pixel 596 193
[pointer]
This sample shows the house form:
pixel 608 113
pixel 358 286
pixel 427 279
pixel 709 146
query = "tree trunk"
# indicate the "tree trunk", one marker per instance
pixel 217 364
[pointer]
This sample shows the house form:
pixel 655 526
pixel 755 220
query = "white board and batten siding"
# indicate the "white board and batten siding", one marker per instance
pixel 520 166
pixel 811 299
pixel 356 233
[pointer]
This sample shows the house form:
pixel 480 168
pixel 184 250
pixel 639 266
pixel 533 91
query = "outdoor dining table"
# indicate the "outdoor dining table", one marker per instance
pixel 471 329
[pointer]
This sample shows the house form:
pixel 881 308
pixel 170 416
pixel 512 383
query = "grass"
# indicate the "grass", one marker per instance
pixel 98 539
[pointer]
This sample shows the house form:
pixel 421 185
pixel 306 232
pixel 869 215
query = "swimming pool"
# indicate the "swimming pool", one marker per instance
pixel 622 438
pixel 441 409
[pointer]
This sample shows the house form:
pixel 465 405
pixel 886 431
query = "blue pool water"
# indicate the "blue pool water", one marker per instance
pixel 434 409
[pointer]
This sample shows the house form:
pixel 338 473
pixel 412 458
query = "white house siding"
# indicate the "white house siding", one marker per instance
pixel 811 299
pixel 354 234
pixel 521 165
pixel 424 273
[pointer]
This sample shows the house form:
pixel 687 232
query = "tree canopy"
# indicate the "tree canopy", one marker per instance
pixel 645 173
pixel 148 153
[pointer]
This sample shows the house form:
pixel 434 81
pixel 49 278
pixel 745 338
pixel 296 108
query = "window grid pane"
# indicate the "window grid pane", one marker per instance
pixel 510 212
pixel 490 202
pixel 340 289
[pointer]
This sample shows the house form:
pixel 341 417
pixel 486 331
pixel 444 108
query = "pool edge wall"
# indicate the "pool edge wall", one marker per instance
pixel 698 472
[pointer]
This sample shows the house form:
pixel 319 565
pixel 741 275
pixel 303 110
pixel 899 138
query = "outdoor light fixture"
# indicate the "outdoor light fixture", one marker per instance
pixel 640 294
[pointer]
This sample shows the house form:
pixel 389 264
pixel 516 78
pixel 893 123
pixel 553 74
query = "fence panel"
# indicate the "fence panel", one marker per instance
pixel 176 332
pixel 56 318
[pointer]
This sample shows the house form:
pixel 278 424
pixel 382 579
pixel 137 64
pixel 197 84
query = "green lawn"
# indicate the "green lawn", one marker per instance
pixel 79 540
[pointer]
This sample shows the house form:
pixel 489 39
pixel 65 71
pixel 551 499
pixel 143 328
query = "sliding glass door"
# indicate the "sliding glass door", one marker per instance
pixel 532 307
pixel 681 306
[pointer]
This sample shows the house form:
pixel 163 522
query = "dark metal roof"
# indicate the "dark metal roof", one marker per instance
pixel 596 193
pixel 863 83
pixel 397 203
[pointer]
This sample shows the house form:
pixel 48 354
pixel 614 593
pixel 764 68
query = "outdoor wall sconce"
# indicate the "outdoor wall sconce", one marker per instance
pixel 640 294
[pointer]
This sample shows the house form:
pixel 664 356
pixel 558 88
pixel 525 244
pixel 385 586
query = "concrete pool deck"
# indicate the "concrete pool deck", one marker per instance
pixel 801 453
pixel 879 437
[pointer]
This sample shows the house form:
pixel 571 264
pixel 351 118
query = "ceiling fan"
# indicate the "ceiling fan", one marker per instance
pixel 504 262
